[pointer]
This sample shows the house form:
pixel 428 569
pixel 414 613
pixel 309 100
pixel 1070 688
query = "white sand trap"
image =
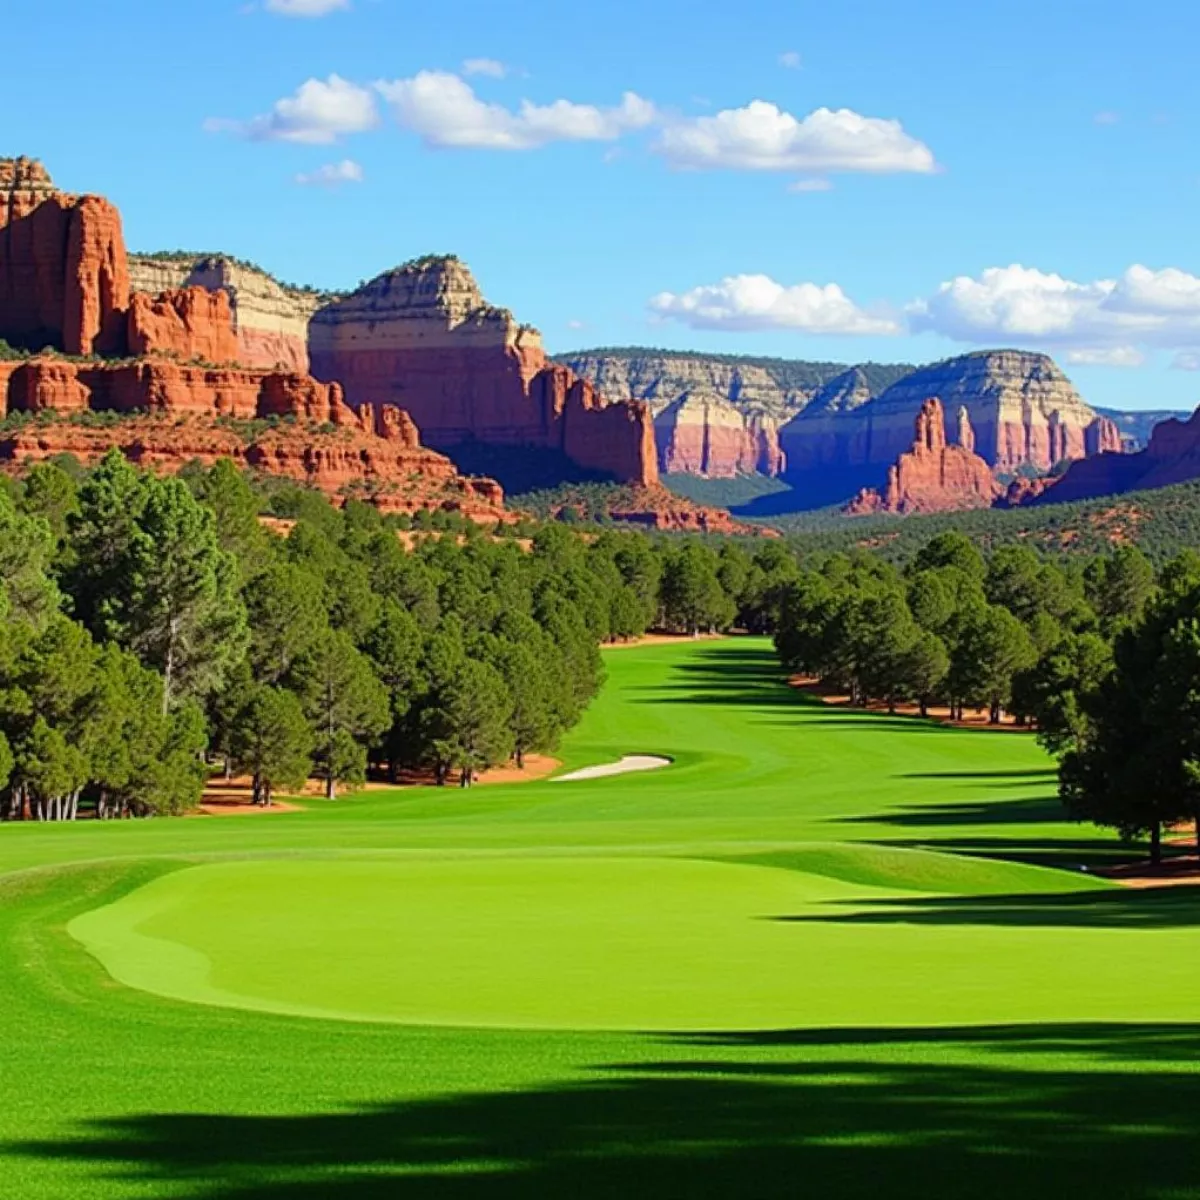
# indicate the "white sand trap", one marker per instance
pixel 631 762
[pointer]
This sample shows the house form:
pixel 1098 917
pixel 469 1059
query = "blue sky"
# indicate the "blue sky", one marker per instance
pixel 852 180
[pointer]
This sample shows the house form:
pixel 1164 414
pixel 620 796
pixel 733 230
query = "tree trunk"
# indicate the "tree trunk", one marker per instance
pixel 1156 844
pixel 521 767
pixel 330 787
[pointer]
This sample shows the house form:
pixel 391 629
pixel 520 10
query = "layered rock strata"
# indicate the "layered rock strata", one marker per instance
pixel 183 323
pixel 270 320
pixel 64 277
pixel 933 475
pixel 705 435
pixel 1024 411
pixel 175 414
pixel 165 366
pixel 423 337
pixel 1172 456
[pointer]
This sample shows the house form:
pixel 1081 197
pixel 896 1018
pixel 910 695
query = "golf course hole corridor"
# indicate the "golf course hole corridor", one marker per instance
pixel 649 943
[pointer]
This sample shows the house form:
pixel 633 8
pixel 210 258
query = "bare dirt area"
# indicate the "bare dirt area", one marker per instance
pixel 233 798
pixel 936 712
pixel 663 639
pixel 537 766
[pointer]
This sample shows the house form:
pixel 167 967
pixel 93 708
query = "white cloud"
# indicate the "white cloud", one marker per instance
pixel 1186 360
pixel 1108 319
pixel 491 67
pixel 811 185
pixel 575 324
pixel 762 137
pixel 791 60
pixel 320 112
pixel 332 174
pixel 443 110
pixel 306 8
pixel 1114 356
pixel 754 302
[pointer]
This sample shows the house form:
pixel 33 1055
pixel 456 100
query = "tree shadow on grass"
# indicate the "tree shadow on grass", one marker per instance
pixel 843 1115
pixel 1030 810
pixel 1107 908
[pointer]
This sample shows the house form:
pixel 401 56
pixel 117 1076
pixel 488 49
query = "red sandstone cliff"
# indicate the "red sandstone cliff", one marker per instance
pixel 176 414
pixel 64 284
pixel 64 278
pixel 1172 456
pixel 424 338
pixel 933 476
pixel 186 323
pixel 703 434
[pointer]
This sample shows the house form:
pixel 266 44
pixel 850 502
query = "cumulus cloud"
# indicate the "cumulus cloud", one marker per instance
pixel 443 110
pixel 756 302
pixel 305 8
pixel 1114 356
pixel 1142 309
pixel 763 137
pixel 332 174
pixel 491 67
pixel 790 59
pixel 318 113
pixel 1186 360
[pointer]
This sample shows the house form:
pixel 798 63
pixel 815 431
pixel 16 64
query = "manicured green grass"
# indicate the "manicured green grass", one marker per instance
pixel 824 952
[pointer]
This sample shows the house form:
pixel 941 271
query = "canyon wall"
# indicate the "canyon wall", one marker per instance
pixel 1024 411
pixel 64 276
pixel 1172 456
pixel 423 337
pixel 173 414
pixel 934 475
pixel 720 415
pixel 157 375
pixel 270 319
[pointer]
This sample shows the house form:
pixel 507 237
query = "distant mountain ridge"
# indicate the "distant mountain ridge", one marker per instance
pixel 724 415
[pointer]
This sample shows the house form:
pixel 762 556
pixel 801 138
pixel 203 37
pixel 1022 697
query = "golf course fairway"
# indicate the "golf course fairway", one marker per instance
pixel 821 952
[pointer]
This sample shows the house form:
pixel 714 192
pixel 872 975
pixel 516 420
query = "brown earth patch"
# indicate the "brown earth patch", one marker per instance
pixel 976 719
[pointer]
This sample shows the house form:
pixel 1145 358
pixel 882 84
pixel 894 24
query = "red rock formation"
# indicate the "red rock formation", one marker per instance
pixel 656 508
pixel 1024 490
pixel 703 434
pixel 1172 456
pixel 933 476
pixel 1103 437
pixel 186 323
pixel 423 337
pixel 64 277
pixel 173 415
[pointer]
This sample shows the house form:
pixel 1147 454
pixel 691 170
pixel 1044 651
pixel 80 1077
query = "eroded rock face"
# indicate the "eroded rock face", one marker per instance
pixel 1173 456
pixel 64 278
pixel 1024 411
pixel 176 413
pixel 423 337
pixel 933 475
pixel 702 434
pixel 185 323
pixel 747 403
pixel 269 319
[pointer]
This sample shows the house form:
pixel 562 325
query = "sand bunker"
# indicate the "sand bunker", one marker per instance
pixel 631 762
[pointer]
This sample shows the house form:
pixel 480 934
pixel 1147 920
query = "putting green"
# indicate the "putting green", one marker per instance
pixel 646 943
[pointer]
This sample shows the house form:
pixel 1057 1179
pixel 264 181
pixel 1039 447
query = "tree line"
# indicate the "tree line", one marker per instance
pixel 1100 656
pixel 152 631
